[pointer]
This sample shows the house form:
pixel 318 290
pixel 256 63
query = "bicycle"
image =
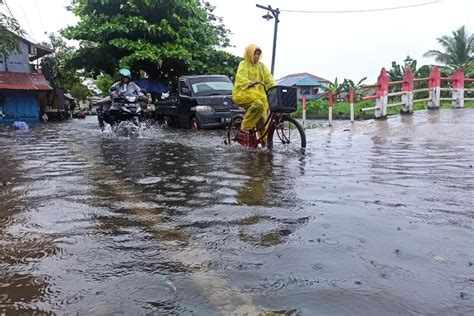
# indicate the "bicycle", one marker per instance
pixel 280 129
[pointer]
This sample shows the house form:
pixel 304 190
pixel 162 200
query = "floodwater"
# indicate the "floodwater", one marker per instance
pixel 376 219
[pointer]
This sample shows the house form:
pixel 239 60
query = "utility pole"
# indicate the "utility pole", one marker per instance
pixel 274 15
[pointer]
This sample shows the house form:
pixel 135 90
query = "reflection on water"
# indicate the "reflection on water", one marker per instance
pixel 374 219
pixel 257 169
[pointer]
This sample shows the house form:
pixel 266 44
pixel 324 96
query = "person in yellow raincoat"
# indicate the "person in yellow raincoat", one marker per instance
pixel 250 95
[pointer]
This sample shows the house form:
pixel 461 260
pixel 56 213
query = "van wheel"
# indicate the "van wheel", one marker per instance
pixel 194 124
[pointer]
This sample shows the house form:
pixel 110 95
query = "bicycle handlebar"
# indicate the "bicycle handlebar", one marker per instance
pixel 261 83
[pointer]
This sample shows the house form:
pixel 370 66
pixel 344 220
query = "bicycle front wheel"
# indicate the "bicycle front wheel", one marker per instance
pixel 287 133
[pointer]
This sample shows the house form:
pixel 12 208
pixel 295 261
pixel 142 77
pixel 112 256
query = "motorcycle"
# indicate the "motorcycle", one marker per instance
pixel 122 109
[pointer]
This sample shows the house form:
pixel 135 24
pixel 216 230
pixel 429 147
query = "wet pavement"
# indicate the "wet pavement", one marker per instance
pixel 376 219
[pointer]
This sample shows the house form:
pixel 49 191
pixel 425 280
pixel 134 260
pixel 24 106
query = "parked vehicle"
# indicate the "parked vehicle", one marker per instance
pixel 203 102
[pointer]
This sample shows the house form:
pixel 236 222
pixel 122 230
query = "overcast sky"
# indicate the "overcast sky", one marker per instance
pixel 351 45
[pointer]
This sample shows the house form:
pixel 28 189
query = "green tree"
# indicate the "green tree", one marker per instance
pixel 104 81
pixel 166 39
pixel 10 30
pixel 80 91
pixel 58 71
pixel 458 49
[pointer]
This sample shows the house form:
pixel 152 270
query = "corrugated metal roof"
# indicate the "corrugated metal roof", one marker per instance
pixel 305 74
pixel 23 81
pixel 299 81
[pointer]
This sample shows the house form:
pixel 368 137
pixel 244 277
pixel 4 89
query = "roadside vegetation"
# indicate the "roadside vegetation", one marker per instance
pixel 457 53
pixel 160 40
pixel 319 109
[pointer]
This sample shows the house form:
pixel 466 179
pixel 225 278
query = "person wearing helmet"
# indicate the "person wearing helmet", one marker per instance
pixel 125 86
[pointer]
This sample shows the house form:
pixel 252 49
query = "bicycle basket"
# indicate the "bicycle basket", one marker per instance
pixel 282 99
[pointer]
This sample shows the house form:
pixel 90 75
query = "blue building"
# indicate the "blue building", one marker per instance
pixel 306 84
pixel 21 84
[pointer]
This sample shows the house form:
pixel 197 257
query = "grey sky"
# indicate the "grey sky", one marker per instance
pixel 328 45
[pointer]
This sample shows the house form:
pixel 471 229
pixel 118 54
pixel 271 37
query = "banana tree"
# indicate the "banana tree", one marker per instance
pixel 348 84
pixel 333 87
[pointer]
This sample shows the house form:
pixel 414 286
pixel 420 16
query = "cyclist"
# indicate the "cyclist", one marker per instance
pixel 250 95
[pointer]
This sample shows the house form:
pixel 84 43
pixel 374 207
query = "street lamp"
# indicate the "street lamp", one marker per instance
pixel 274 14
pixel 408 60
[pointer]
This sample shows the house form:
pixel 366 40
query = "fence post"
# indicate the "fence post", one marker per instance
pixel 435 88
pixel 407 87
pixel 330 100
pixel 382 95
pixel 351 103
pixel 458 89
pixel 303 105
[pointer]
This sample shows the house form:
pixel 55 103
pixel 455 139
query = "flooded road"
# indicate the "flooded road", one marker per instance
pixel 376 219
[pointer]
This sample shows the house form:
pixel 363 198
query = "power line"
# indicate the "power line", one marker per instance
pixel 40 17
pixel 8 8
pixel 26 19
pixel 364 10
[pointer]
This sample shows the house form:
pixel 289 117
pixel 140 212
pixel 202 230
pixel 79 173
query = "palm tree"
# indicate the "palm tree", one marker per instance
pixel 458 49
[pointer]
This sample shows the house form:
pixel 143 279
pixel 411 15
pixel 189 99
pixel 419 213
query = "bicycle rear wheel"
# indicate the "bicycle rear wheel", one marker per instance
pixel 287 133
pixel 233 128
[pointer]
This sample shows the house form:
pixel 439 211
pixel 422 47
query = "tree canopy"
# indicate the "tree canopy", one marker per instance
pixel 164 38
pixel 9 32
pixel 57 70
pixel 458 49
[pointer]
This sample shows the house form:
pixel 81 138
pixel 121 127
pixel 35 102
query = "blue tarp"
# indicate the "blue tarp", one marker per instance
pixel 152 85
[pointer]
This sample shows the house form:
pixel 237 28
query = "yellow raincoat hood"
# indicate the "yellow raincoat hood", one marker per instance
pixel 249 51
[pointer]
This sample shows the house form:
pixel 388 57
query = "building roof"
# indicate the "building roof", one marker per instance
pixel 39 50
pixel 23 81
pixel 302 79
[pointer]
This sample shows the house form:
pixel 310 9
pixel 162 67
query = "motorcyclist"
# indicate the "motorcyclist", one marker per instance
pixel 124 87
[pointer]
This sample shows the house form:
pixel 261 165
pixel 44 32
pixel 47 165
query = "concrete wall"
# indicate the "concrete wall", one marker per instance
pixel 17 62
pixel 2 63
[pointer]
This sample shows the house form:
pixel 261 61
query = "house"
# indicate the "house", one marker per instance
pixel 56 103
pixel 307 84
pixel 21 83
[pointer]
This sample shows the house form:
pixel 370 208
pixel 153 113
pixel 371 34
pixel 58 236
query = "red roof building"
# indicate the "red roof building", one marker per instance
pixel 23 81
pixel 19 85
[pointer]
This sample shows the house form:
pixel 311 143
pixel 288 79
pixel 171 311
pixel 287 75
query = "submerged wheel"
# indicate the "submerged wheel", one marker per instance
pixel 287 134
pixel 136 121
pixel 165 121
pixel 194 124
pixel 233 128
